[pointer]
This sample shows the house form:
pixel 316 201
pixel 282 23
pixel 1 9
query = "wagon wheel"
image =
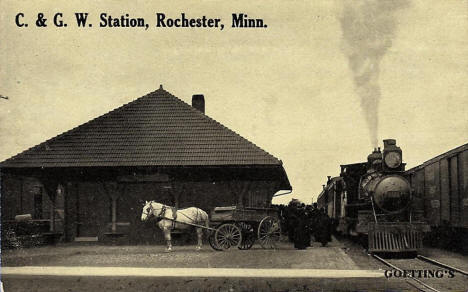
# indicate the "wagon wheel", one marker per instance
pixel 227 235
pixel 211 240
pixel 269 232
pixel 248 235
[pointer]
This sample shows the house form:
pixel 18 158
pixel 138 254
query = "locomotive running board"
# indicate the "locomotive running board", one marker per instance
pixel 395 237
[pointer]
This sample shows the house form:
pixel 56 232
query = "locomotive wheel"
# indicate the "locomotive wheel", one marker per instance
pixel 269 232
pixel 248 235
pixel 228 235
pixel 212 242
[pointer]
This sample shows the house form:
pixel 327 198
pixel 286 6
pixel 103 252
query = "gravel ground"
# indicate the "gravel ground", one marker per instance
pixel 342 254
pixel 331 257
pixel 60 284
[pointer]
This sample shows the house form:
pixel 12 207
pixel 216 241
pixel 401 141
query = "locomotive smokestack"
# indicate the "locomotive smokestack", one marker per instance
pixel 198 102
pixel 389 142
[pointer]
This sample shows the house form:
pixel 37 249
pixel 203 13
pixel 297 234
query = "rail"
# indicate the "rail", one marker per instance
pixel 409 276
pixel 432 261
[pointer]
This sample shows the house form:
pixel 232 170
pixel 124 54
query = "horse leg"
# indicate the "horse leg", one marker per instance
pixel 167 236
pixel 199 236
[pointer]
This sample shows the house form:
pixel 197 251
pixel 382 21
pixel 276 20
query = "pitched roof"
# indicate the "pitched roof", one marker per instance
pixel 157 129
pixel 439 157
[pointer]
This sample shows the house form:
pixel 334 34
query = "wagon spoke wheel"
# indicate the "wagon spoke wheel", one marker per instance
pixel 227 235
pixel 269 232
pixel 248 235
pixel 211 240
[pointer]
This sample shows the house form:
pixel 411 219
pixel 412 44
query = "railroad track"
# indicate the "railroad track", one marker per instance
pixel 437 263
pixel 420 273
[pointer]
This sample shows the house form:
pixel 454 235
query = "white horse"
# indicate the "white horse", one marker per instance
pixel 169 219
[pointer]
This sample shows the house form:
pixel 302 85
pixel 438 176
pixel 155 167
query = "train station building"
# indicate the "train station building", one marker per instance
pixel 91 182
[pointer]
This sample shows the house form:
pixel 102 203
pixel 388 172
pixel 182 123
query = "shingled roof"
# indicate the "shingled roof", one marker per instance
pixel 157 129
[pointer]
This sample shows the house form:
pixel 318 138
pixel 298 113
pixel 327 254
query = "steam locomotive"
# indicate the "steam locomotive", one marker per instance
pixel 373 200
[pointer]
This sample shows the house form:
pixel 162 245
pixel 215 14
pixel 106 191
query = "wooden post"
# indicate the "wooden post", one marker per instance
pixel 239 189
pixel 58 190
pixel 21 195
pixel 66 220
pixel 51 187
pixel 114 214
pixel 52 211
pixel 52 217
pixel 271 189
pixel 113 190
pixel 176 201
pixel 176 190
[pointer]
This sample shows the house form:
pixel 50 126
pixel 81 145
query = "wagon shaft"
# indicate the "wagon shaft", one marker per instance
pixel 191 224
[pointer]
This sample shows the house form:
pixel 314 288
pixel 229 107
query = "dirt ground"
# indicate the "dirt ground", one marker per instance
pixel 330 257
pixel 339 255
pixel 59 284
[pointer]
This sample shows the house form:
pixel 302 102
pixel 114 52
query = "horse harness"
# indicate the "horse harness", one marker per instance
pixel 162 214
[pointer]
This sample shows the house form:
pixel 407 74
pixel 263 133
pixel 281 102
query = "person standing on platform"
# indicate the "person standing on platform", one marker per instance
pixel 301 231
pixel 323 228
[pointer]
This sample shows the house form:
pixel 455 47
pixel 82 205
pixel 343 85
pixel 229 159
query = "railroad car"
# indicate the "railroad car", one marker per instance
pixel 441 188
pixel 373 200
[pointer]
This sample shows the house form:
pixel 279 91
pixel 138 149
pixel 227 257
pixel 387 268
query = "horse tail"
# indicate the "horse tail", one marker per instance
pixel 207 221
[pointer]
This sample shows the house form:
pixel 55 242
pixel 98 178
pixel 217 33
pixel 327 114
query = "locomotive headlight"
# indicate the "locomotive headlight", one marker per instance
pixel 393 160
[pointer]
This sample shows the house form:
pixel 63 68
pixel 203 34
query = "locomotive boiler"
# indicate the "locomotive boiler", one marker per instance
pixel 373 200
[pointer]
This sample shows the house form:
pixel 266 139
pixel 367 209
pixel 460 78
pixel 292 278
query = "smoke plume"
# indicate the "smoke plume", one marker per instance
pixel 368 29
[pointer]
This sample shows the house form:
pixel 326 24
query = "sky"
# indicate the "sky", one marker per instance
pixel 322 85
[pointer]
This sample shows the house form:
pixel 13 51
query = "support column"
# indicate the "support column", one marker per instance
pixel 239 189
pixel 176 190
pixel 51 187
pixel 21 195
pixel 114 214
pixel 113 191
pixel 66 220
pixel 52 217
pixel 58 191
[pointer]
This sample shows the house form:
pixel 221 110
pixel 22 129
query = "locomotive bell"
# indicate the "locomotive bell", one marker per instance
pixel 392 193
pixel 374 156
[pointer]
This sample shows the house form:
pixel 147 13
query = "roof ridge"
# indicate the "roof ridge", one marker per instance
pixel 438 157
pixel 120 122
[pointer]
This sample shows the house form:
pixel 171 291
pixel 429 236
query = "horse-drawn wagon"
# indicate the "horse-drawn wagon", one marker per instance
pixel 228 226
pixel 241 227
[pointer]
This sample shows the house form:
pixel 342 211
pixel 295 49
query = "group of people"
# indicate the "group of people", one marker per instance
pixel 301 222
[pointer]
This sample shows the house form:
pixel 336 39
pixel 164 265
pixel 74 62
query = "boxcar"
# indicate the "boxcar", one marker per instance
pixel 440 187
